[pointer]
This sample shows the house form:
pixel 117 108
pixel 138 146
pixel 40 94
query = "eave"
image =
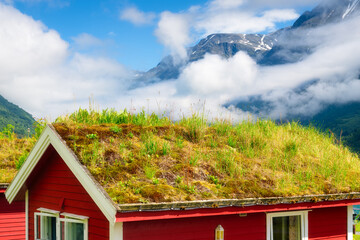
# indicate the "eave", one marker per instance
pixel 158 211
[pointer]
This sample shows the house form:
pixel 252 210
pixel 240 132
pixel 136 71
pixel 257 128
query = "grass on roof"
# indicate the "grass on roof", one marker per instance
pixel 13 152
pixel 146 158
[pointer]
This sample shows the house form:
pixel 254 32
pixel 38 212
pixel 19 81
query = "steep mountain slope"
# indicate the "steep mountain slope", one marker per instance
pixel 12 114
pixel 342 120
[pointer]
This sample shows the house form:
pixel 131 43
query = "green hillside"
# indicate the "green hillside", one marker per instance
pixel 14 115
pixel 343 121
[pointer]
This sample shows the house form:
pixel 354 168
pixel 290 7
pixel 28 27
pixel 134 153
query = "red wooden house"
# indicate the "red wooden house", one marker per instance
pixel 64 201
pixel 12 217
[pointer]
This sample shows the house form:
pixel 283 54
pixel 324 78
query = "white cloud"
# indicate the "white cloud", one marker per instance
pixel 50 3
pixel 27 45
pixel 173 32
pixel 235 21
pixel 333 68
pixel 39 73
pixel 280 3
pixel 177 30
pixel 219 78
pixel 85 40
pixel 137 17
pixel 226 4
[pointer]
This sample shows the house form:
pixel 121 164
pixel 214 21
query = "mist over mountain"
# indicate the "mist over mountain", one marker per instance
pixel 307 71
pixel 287 45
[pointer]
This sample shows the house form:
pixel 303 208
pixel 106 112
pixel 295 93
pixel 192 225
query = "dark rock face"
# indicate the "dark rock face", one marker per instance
pixel 227 45
pixel 327 12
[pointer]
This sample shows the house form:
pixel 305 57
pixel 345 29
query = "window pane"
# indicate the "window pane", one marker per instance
pixel 287 228
pixel 62 230
pixel 37 227
pixel 74 231
pixel 48 228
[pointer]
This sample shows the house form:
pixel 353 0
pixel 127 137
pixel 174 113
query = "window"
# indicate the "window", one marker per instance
pixel 73 227
pixel 50 225
pixel 45 224
pixel 287 226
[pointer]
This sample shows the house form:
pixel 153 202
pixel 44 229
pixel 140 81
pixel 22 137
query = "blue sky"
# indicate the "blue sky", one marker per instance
pixel 55 54
pixel 135 46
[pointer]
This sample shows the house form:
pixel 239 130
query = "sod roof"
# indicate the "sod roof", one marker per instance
pixel 145 159
pixel 13 152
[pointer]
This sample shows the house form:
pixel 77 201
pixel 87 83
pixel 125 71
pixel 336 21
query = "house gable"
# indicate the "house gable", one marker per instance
pixel 49 138
pixel 56 188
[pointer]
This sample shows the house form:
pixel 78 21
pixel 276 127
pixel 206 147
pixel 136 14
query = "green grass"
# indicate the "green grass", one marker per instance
pixel 13 153
pixel 157 160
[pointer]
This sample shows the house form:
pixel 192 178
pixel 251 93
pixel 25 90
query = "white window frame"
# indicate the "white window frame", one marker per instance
pixel 350 222
pixel 65 218
pixel 304 222
pixel 72 218
pixel 43 212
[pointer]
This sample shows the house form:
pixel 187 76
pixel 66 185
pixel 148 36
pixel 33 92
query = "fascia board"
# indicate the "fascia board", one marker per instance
pixel 103 202
pixel 50 137
pixel 28 166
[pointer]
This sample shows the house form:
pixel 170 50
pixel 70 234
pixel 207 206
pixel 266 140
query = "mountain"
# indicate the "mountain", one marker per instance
pixel 268 49
pixel 343 120
pixel 287 45
pixel 327 12
pixel 14 115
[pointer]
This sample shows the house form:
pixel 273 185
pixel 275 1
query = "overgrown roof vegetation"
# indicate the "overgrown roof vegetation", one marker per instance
pixel 140 158
pixel 13 152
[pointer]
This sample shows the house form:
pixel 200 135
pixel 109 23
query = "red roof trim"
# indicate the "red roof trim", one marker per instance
pixel 172 214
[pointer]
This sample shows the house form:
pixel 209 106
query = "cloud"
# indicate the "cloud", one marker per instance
pixel 235 21
pixel 45 75
pixel 176 31
pixel 40 73
pixel 50 3
pixel 85 40
pixel 327 76
pixel 280 3
pixel 217 77
pixel 137 17
pixel 226 4
pixel 173 32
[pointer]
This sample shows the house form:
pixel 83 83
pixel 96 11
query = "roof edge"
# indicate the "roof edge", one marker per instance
pixel 48 137
pixel 4 185
pixel 137 207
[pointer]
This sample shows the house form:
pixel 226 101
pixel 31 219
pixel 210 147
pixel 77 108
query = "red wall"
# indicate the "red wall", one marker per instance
pixel 251 227
pixel 55 184
pixel 12 219
pixel 326 223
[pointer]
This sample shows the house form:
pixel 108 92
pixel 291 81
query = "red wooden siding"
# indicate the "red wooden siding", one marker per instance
pixel 328 223
pixel 251 227
pixel 324 223
pixel 55 187
pixel 206 212
pixel 12 219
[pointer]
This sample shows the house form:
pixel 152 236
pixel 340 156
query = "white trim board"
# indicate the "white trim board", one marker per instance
pixel 49 136
pixel 350 212
pixel 304 222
